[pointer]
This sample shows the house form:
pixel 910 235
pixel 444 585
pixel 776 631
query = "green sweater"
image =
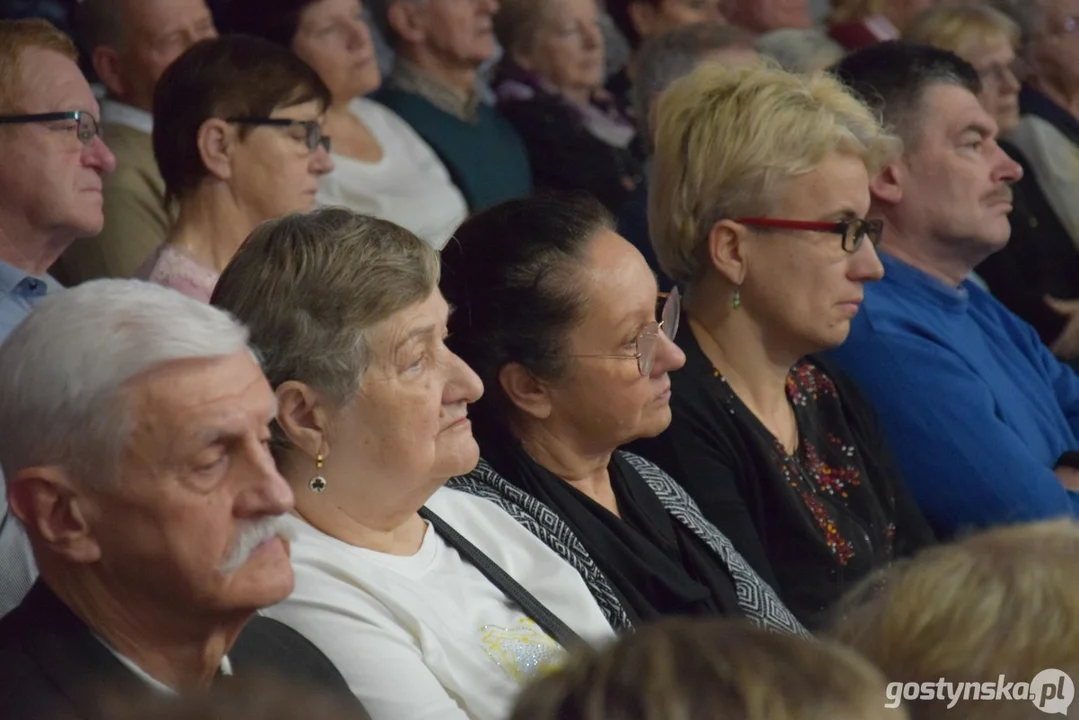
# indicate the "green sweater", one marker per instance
pixel 486 160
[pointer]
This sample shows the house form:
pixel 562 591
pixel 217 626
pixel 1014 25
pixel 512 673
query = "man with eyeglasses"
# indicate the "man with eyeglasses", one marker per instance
pixel 983 419
pixel 52 164
pixel 130 43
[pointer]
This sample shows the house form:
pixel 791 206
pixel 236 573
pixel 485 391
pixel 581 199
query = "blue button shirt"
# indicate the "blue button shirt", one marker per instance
pixel 19 292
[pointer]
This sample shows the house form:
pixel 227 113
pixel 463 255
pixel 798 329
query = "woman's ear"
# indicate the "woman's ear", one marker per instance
pixel 525 391
pixel 216 143
pixel 303 418
pixel 726 250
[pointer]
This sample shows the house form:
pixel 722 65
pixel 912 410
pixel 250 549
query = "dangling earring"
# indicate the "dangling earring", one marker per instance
pixel 736 301
pixel 318 483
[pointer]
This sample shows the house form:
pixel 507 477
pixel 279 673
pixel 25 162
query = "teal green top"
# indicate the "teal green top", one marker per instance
pixel 487 159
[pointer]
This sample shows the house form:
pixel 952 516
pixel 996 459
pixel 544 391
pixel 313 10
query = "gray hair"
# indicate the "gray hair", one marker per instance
pixel 64 368
pixel 665 58
pixel 309 286
pixel 800 50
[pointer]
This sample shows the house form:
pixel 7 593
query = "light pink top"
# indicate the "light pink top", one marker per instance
pixel 173 268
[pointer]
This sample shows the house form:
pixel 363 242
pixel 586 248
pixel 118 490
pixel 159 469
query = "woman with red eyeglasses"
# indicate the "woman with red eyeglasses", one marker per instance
pixel 760 188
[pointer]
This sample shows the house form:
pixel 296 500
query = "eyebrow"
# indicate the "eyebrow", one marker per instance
pixel 417 333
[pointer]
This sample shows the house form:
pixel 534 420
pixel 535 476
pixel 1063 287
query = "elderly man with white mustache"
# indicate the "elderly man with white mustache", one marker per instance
pixel 133 431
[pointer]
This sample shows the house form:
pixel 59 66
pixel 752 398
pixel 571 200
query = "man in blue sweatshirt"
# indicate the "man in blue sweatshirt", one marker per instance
pixel 982 417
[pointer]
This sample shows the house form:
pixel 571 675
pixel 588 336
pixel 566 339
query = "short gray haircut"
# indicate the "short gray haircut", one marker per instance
pixel 665 58
pixel 310 286
pixel 64 369
pixel 800 50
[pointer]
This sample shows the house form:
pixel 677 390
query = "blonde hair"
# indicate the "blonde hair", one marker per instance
pixel 962 28
pixel 1002 602
pixel 728 140
pixel 682 669
pixel 15 37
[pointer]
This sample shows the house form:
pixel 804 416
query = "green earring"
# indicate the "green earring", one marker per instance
pixel 736 301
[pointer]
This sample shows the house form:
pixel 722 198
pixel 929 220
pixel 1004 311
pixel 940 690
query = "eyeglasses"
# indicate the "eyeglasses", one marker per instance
pixel 86 127
pixel 853 232
pixel 647 341
pixel 313 135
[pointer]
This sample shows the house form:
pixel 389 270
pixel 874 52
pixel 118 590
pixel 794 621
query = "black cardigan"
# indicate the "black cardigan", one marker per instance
pixel 715 457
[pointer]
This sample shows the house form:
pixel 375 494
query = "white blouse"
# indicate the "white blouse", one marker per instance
pixel 427 636
pixel 409 186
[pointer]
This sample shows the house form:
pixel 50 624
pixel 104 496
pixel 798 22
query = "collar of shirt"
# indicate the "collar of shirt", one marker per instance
pixel 117 113
pixel 410 78
pixel 224 670
pixel 14 281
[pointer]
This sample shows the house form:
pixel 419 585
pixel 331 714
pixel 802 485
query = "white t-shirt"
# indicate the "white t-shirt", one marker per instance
pixel 428 636
pixel 409 186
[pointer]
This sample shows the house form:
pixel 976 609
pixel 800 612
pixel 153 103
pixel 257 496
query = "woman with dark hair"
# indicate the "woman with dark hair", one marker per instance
pixel 561 326
pixel 239 140
pixel 383 167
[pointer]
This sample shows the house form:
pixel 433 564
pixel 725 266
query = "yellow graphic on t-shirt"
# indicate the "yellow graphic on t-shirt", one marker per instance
pixel 524 651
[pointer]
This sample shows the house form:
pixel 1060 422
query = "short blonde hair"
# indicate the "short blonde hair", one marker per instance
pixel 727 140
pixel 1002 602
pixel 962 28
pixel 681 669
pixel 309 286
pixel 15 37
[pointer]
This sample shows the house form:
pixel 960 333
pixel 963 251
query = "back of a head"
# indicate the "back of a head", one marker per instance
pixel 63 369
pixel 100 22
pixel 685 669
pixel 225 77
pixel 727 142
pixel 892 78
pixel 674 54
pixel 963 28
pixel 17 36
pixel 309 285
pixel 1004 602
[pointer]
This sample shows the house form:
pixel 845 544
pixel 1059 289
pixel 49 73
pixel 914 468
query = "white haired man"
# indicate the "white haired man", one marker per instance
pixel 135 425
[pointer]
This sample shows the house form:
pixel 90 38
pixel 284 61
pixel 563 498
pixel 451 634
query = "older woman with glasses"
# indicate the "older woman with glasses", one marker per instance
pixel 561 325
pixel 761 185
pixel 238 139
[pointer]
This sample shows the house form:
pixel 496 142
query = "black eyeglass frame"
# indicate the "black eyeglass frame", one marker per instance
pixel 314 135
pixel 87 126
pixel 852 232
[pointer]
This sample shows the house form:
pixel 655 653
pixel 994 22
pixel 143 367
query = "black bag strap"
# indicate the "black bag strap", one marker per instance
pixel 546 619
